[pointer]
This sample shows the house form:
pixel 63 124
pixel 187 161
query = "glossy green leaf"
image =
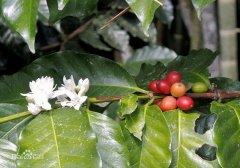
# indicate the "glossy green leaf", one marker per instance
pixel 144 10
pixel 59 138
pixel 72 8
pixel 128 104
pixel 136 121
pixel 225 84
pixel 190 77
pixel 21 15
pixel 8 152
pixel 150 55
pixel 106 77
pixel 227 133
pixel 199 5
pixel 111 144
pixel 43 11
pixel 10 130
pixel 154 149
pixel 166 13
pixel 148 73
pixel 196 61
pixel 185 141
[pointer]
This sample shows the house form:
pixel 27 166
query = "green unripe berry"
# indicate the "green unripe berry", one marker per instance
pixel 199 87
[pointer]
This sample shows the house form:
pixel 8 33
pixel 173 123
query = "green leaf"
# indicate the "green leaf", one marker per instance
pixel 106 77
pixel 21 15
pixel 135 122
pixel 60 138
pixel 144 10
pixel 8 152
pixel 226 84
pixel 91 37
pixel 185 141
pixel 132 26
pixel 227 132
pixel 150 55
pixel 191 77
pixel 72 8
pixel 113 35
pixel 199 5
pixel 111 144
pixel 128 104
pixel 153 151
pixel 11 130
pixel 148 73
pixel 196 61
pixel 112 110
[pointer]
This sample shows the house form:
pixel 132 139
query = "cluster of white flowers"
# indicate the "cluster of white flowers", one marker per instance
pixel 69 94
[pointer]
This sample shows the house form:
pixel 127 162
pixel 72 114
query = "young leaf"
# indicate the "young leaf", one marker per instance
pixel 106 77
pixel 111 144
pixel 185 141
pixel 154 149
pixel 8 155
pixel 21 15
pixel 144 9
pixel 135 122
pixel 60 138
pixel 128 104
pixel 199 5
pixel 11 130
pixel 227 132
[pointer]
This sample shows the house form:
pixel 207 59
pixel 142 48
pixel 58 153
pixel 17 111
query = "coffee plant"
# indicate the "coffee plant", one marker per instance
pixel 75 109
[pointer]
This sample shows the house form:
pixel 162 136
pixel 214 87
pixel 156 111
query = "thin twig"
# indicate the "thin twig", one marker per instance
pixel 75 33
pixel 114 18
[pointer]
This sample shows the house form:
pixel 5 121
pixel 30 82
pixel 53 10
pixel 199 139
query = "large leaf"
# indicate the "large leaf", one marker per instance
pixel 153 151
pixel 199 5
pixel 150 55
pixel 148 73
pixel 71 8
pixel 22 17
pixel 227 133
pixel 135 122
pixel 197 61
pixel 111 144
pixel 8 152
pixel 10 130
pixel 61 4
pixel 59 138
pixel 144 9
pixel 185 141
pixel 106 77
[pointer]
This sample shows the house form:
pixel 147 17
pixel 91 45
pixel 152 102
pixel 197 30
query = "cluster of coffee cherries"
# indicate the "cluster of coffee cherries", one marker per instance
pixel 171 85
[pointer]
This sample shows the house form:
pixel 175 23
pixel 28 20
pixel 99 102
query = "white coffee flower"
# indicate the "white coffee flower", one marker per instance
pixel 41 91
pixel 72 95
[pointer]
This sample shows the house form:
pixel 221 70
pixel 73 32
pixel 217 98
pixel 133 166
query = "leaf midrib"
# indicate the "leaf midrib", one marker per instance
pixel 55 138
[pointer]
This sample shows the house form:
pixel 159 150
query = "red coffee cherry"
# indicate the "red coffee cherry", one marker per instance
pixel 153 86
pixel 163 86
pixel 185 103
pixel 173 77
pixel 168 103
